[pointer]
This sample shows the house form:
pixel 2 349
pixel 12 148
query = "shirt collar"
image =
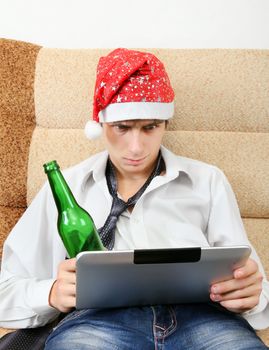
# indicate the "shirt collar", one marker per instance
pixel 94 167
pixel 174 163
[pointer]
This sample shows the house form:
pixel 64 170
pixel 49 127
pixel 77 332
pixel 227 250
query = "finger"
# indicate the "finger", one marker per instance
pixel 70 290
pixel 253 290
pixel 235 284
pixel 68 277
pixel 251 267
pixel 67 270
pixel 64 289
pixel 67 304
pixel 70 301
pixel 68 265
pixel 240 305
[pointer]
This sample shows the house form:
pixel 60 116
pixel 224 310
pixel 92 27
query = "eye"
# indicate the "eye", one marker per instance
pixel 121 127
pixel 150 127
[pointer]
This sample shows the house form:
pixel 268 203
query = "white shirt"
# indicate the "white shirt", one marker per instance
pixel 191 205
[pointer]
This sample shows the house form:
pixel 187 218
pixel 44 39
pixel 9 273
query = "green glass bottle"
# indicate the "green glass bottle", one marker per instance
pixel 75 226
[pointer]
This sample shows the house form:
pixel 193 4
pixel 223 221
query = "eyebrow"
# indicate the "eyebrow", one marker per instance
pixel 133 122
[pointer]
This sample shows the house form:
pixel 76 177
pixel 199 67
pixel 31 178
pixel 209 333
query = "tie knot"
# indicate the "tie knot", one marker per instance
pixel 118 206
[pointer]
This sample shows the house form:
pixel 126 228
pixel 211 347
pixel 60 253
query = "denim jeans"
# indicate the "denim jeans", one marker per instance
pixel 173 327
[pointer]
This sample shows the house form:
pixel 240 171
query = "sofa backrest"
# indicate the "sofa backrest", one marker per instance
pixel 221 117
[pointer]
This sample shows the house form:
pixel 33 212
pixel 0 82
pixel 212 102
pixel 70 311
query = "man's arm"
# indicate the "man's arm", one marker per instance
pixel 225 227
pixel 31 256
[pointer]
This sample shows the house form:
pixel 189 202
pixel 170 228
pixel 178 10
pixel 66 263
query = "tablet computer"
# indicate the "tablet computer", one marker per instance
pixel 107 279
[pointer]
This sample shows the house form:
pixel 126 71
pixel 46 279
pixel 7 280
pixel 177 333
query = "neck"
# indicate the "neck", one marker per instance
pixel 130 176
pixel 128 185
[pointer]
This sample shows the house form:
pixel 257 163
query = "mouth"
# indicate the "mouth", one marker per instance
pixel 131 161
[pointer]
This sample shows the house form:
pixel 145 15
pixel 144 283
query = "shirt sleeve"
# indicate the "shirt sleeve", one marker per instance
pixel 31 254
pixel 225 227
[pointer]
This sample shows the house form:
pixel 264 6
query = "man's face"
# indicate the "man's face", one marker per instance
pixel 133 145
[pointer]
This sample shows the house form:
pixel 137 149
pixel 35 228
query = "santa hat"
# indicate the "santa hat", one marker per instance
pixel 130 85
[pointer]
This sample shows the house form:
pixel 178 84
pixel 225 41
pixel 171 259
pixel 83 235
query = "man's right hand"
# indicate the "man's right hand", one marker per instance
pixel 63 291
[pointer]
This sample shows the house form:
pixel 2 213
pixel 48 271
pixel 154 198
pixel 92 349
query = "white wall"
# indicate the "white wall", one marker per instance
pixel 137 23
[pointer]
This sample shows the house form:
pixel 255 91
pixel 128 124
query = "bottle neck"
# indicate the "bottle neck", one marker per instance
pixel 62 194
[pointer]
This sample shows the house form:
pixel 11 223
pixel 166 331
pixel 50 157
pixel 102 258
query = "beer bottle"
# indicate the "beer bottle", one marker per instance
pixel 75 225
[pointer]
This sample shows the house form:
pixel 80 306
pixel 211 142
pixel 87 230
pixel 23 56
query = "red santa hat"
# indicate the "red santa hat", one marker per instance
pixel 130 85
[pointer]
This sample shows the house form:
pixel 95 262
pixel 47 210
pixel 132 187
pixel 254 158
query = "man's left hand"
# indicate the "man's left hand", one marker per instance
pixel 242 293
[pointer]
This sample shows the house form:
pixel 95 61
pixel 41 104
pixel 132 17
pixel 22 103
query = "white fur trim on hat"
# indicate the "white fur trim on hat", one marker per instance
pixel 93 130
pixel 136 110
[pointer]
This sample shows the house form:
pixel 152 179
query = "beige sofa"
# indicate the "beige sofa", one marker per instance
pixel 222 117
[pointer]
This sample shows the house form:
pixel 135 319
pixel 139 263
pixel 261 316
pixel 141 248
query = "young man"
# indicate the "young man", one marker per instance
pixel 148 188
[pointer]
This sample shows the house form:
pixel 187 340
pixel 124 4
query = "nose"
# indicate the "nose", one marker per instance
pixel 136 143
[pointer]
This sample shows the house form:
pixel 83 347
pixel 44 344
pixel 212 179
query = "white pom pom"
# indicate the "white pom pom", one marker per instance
pixel 93 130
